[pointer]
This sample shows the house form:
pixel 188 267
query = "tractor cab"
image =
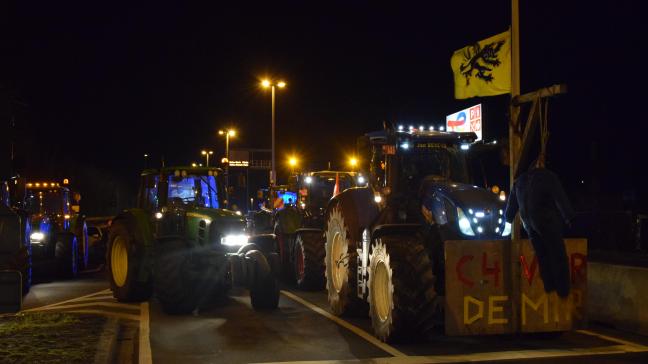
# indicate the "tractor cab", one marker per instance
pixel 425 177
pixel 189 202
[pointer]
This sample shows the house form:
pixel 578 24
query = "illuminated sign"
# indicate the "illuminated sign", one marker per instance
pixel 239 163
pixel 466 120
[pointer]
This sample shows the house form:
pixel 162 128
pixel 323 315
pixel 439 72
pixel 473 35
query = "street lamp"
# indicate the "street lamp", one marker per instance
pixel 228 133
pixel 266 83
pixel 146 160
pixel 207 153
pixel 353 162
pixel 292 161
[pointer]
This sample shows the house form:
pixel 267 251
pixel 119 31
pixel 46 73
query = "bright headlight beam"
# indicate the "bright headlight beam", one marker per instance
pixel 464 223
pixel 235 240
pixel 37 236
pixel 507 229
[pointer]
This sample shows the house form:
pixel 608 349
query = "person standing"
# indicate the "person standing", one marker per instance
pixel 545 210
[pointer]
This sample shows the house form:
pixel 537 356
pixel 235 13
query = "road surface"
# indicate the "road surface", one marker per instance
pixel 302 329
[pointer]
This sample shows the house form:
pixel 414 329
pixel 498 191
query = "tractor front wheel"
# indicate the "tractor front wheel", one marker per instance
pixel 309 260
pixel 264 290
pixel 175 283
pixel 66 253
pixel 402 298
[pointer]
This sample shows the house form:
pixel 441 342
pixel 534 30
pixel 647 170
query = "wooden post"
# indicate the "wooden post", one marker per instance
pixel 514 136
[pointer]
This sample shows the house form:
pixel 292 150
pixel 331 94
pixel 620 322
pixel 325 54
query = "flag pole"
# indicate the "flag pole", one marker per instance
pixel 515 141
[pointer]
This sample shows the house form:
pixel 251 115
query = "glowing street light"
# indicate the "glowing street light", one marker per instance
pixel 207 153
pixel 353 162
pixel 267 83
pixel 292 161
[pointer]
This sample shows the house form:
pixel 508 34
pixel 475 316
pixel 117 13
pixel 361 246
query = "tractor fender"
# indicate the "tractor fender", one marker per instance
pixel 139 223
pixel 358 208
pixel 394 229
pixel 265 242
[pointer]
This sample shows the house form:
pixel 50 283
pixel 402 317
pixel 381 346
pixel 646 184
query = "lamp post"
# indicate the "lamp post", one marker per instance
pixel 207 153
pixel 146 160
pixel 228 133
pixel 271 84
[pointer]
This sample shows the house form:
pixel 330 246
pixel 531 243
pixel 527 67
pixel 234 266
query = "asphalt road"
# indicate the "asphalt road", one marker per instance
pixel 302 329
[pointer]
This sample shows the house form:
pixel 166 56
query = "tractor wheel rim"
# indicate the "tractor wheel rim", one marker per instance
pixel 380 291
pixel 119 261
pixel 339 265
pixel 299 260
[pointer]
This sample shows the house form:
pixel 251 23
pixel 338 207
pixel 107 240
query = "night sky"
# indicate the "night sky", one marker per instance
pixel 95 86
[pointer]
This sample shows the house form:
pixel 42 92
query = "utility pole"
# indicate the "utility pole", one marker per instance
pixel 515 140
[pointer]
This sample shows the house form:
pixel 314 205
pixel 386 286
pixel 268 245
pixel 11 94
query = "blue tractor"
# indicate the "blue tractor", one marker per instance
pixel 385 241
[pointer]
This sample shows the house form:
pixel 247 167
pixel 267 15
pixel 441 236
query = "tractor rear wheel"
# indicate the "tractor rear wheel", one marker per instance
pixel 122 263
pixel 309 260
pixel 175 282
pixel 402 298
pixel 341 263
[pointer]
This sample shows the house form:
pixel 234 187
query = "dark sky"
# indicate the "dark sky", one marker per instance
pixel 104 83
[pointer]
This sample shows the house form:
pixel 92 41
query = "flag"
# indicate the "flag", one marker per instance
pixel 336 189
pixel 484 68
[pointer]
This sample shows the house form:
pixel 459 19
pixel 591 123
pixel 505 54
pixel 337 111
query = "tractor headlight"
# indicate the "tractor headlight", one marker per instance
pixel 37 237
pixel 361 180
pixel 235 240
pixel 464 223
pixel 507 229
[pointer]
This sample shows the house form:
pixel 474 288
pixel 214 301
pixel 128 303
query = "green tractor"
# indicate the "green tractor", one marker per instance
pixel 182 245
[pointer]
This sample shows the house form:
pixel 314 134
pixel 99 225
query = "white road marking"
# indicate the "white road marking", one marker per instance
pixel 145 355
pixel 67 301
pixel 627 344
pixel 623 347
pixel 356 330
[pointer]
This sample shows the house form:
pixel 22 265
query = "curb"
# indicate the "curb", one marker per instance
pixel 107 345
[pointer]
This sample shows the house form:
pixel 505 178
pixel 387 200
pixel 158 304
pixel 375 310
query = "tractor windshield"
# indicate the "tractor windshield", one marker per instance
pixel 321 188
pixel 193 190
pixel 44 201
pixel 433 160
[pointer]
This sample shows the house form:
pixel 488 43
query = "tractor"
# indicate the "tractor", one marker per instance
pixel 59 235
pixel 15 248
pixel 389 245
pixel 180 244
pixel 299 227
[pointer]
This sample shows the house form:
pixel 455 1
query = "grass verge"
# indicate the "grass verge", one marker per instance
pixel 53 337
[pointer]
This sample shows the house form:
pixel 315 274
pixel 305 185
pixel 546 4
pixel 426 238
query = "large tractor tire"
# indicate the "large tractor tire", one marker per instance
pixel 176 281
pixel 66 254
pixel 123 265
pixel 309 260
pixel 264 290
pixel 341 263
pixel 402 298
